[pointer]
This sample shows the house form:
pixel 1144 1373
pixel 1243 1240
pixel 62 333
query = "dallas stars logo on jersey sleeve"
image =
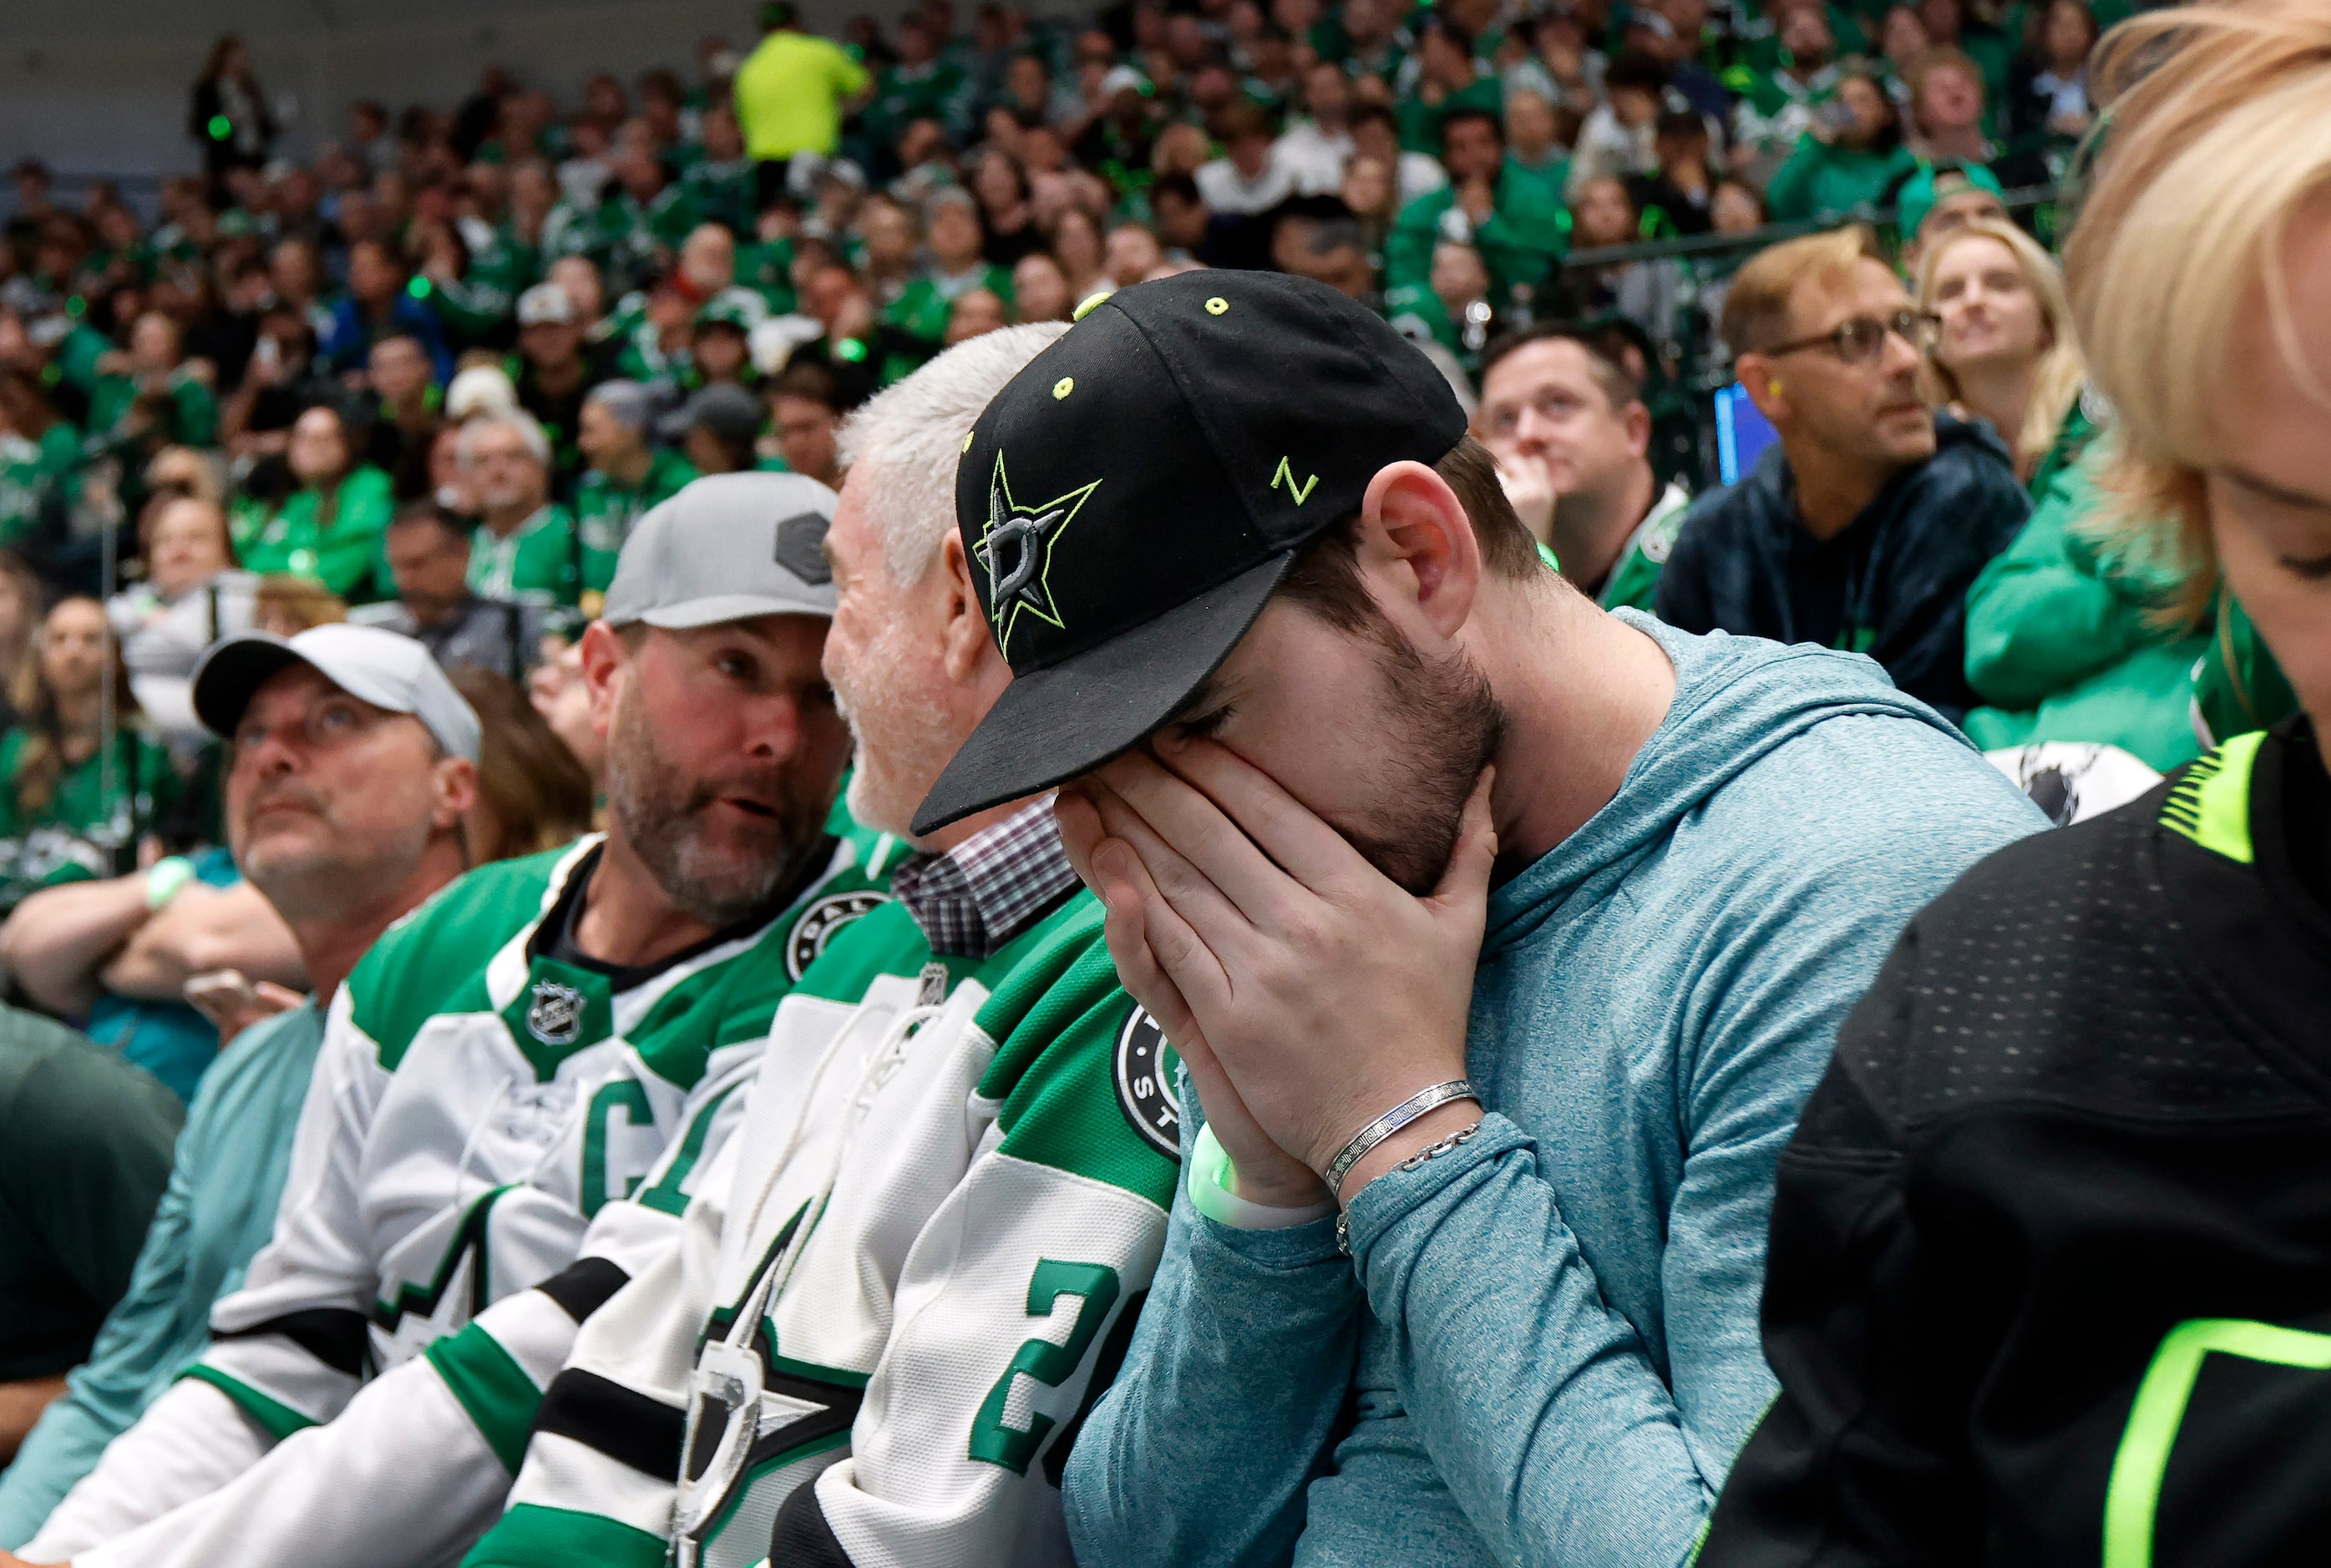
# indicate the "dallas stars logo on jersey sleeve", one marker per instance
pixel 1016 550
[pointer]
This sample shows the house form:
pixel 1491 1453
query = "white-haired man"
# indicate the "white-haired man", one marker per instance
pixel 519 1087
pixel 526 549
pixel 875 1337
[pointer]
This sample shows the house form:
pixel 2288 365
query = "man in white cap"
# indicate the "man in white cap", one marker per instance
pixel 554 371
pixel 354 764
pixel 549 1049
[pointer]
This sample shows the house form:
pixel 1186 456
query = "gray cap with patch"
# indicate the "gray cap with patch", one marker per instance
pixel 727 547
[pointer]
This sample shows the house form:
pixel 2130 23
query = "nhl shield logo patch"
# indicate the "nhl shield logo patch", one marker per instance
pixel 822 920
pixel 555 1015
pixel 1146 1092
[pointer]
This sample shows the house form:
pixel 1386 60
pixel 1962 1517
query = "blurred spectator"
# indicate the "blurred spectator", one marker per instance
pixel 624 477
pixel 20 602
pixel 1619 138
pixel 377 301
pixel 715 429
pixel 789 93
pixel 1518 228
pixel 2048 97
pixel 1941 197
pixel 192 596
pixel 76 797
pixel 526 549
pixel 952 236
pixel 229 116
pixel 1316 146
pixel 1850 157
pixel 153 368
pixel 429 552
pixel 1864 525
pixel 807 423
pixel 552 374
pixel 1565 419
pixel 343 815
pixel 85 1143
pixel 405 402
pixel 330 527
pixel 1041 290
pixel 39 454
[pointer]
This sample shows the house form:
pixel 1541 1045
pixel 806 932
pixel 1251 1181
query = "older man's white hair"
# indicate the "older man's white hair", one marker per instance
pixel 538 445
pixel 902 447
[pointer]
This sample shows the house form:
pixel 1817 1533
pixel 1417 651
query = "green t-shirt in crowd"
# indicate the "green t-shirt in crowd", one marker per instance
pixel 1419 122
pixel 85 1143
pixel 1527 230
pixel 540 562
pixel 606 511
pixel 347 555
pixel 95 810
pixel 34 475
pixel 110 402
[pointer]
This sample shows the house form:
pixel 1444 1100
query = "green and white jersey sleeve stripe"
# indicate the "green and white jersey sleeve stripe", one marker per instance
pixel 888 1319
pixel 482 1118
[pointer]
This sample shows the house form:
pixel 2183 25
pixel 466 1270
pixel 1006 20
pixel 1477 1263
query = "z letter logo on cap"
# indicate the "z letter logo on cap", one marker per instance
pixel 1015 549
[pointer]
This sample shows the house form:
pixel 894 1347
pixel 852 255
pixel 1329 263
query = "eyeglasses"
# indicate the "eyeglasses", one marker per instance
pixel 1858 340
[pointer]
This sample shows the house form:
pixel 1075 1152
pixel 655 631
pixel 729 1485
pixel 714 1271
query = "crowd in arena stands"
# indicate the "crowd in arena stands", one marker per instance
pixel 378 522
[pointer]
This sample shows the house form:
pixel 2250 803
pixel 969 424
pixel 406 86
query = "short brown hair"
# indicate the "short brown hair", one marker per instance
pixel 1619 384
pixel 1326 578
pixel 1756 311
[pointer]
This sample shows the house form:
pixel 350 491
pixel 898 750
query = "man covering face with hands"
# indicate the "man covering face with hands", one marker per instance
pixel 1466 1262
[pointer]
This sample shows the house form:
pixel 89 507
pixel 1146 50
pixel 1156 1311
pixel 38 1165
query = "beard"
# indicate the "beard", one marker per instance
pixel 901 740
pixel 1442 723
pixel 722 878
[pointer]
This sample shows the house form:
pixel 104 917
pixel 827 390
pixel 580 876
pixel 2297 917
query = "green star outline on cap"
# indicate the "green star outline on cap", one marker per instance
pixel 1026 585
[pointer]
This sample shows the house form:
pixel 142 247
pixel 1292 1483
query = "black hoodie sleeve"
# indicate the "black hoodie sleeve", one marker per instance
pixel 1859 1463
pixel 1682 599
pixel 1960 511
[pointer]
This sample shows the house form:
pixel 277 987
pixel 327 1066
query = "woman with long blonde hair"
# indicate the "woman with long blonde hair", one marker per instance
pixel 2008 351
pixel 2052 1248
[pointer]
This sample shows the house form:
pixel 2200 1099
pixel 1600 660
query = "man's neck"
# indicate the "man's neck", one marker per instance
pixel 559 378
pixel 503 521
pixel 628 920
pixel 329 946
pixel 1964 143
pixel 629 468
pixel 1832 492
pixel 433 611
pixel 2001 394
pixel 1590 530
pixel 1583 691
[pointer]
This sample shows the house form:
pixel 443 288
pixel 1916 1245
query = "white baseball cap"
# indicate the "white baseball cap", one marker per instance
pixel 371 664
pixel 546 302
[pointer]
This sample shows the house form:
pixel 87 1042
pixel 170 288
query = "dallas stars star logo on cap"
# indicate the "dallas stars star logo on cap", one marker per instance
pixel 1016 550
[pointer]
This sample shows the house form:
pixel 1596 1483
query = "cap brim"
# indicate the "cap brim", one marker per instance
pixel 231 672
pixel 1051 725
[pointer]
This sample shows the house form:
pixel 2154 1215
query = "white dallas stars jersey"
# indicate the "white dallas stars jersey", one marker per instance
pixel 482 1116
pixel 897 1293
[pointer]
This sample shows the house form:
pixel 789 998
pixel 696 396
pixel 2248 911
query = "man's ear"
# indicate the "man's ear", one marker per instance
pixel 1636 421
pixel 605 662
pixel 969 648
pixel 1413 528
pixel 1762 379
pixel 453 790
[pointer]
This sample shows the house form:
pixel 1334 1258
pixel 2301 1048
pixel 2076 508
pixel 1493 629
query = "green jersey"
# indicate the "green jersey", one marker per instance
pixel 346 554
pixel 1635 579
pixel 110 401
pixel 606 511
pixel 93 813
pixel 36 478
pixel 540 562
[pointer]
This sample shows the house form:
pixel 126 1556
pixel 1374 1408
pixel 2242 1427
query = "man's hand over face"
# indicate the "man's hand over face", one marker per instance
pixel 1284 968
pixel 1529 490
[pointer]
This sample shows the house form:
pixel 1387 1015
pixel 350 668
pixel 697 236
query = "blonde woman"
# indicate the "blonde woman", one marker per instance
pixel 2073 633
pixel 2050 1248
pixel 2007 351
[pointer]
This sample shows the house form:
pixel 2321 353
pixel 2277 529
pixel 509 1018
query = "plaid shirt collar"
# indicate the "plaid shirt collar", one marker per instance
pixel 989 888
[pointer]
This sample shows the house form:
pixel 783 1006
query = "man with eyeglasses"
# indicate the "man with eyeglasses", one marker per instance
pixel 1863 527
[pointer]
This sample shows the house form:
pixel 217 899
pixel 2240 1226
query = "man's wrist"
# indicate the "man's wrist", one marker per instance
pixel 1418 1136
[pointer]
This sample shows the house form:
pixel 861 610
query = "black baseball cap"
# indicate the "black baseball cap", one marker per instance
pixel 1131 499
